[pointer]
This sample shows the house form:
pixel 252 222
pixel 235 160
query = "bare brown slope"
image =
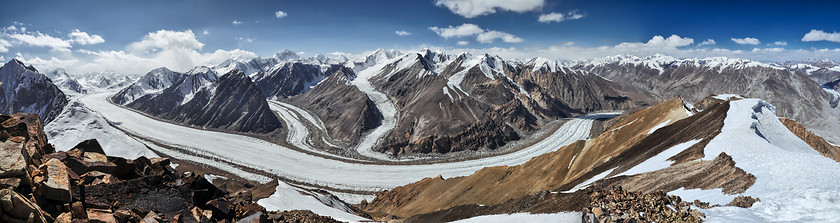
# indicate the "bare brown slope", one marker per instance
pixel 345 117
pixel 494 185
pixel 818 143
pixel 699 174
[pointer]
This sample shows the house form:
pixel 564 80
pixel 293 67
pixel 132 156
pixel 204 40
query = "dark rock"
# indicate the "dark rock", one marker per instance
pixel 143 194
pixel 16 208
pixel 743 201
pixel 123 215
pixel 90 145
pixel 78 210
pixel 222 209
pixel 204 191
pixel 256 217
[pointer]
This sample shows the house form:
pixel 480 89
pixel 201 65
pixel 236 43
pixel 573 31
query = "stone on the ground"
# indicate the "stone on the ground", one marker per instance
pixel 56 185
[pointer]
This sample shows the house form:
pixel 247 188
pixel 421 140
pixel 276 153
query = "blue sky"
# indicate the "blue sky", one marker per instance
pixel 192 32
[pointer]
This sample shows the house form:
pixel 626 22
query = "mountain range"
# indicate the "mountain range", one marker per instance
pixel 649 138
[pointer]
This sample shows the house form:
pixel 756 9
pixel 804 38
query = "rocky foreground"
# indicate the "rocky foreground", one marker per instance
pixel 83 184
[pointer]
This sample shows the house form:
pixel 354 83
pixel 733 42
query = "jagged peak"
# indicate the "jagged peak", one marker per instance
pixel 16 62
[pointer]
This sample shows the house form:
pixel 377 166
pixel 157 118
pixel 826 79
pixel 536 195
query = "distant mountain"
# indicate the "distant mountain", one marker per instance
pixel 794 94
pixel 201 98
pixel 24 89
pixel 821 71
pixel 286 73
pixel 449 103
pixel 63 80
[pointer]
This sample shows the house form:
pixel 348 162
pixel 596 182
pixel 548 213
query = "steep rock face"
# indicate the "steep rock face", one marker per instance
pixel 234 104
pixel 172 95
pixel 345 111
pixel 793 93
pixel 149 85
pixel 23 89
pixel 471 102
pixel 292 78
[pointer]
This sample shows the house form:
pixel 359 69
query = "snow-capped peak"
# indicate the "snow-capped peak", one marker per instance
pixel 539 63
pixel 659 62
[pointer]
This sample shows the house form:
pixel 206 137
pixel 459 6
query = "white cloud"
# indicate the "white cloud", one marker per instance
pixel 235 22
pixel 465 29
pixel 780 43
pixel 280 14
pixel 819 35
pixel 402 33
pixel 205 32
pixel 559 17
pixel 84 38
pixel 473 8
pixel 2 58
pixel 570 43
pixel 246 40
pixel 166 40
pixel 462 43
pixel 490 36
pixel 482 36
pixel 176 50
pixel 707 42
pixel 4 46
pixel 42 40
pixel 746 41
pixel 775 49
pixel 673 41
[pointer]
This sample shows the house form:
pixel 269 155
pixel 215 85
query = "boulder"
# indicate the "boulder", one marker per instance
pixel 56 185
pixel 151 217
pixel 13 158
pixel 256 217
pixel 16 208
pixel 100 216
pixel 90 145
pixel 78 210
pixel 65 217
pixel 222 209
pixel 96 177
pixel 94 157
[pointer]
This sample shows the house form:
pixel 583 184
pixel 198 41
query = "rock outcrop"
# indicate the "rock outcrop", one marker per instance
pixel 38 184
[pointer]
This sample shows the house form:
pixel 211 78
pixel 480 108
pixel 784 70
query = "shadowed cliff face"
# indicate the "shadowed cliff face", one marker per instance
pixel 24 89
pixel 235 105
pixel 230 102
pixel 346 112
